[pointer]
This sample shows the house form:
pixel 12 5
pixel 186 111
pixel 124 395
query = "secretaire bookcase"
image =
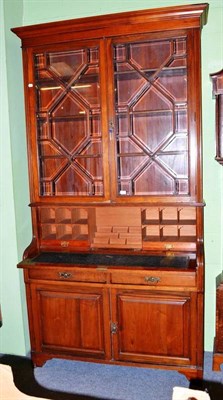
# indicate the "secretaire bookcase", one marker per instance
pixel 114 272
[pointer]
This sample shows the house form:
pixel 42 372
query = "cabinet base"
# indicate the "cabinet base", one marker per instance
pixel 217 360
pixel 191 372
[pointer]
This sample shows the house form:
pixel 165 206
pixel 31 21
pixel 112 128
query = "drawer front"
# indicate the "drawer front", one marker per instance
pixel 155 278
pixel 64 273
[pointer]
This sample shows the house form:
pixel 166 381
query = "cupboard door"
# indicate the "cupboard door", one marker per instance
pixel 152 90
pixel 69 320
pixel 154 327
pixel 71 147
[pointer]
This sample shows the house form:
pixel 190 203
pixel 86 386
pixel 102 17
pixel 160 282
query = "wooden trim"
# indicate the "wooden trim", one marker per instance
pixel 190 16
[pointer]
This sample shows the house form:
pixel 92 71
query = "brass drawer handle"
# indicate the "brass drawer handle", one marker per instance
pixel 152 279
pixel 65 275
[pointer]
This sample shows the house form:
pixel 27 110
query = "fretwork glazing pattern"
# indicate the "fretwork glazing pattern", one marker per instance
pixel 69 123
pixel 152 135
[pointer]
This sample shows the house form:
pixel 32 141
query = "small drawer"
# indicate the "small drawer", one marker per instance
pixel 65 273
pixel 155 278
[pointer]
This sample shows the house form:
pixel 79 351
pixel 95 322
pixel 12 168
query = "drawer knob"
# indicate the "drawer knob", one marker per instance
pixel 152 279
pixel 65 275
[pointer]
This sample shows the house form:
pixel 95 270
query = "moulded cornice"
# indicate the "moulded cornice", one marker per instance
pixel 189 16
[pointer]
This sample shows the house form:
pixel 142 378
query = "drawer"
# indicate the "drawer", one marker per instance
pixel 64 273
pixel 155 278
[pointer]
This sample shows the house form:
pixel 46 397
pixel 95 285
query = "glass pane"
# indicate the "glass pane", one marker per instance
pixel 151 117
pixel 69 123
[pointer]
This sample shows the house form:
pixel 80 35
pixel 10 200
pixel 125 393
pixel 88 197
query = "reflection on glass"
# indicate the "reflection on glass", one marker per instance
pixel 151 117
pixel 69 123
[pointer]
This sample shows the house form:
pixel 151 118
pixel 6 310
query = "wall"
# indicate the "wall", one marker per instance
pixel 212 61
pixel 13 185
pixel 212 57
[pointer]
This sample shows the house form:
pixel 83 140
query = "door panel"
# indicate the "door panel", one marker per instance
pixel 70 319
pixel 151 96
pixel 152 134
pixel 70 121
pixel 153 326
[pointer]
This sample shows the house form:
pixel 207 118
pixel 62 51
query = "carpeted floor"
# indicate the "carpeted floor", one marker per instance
pixel 109 381
pixel 69 380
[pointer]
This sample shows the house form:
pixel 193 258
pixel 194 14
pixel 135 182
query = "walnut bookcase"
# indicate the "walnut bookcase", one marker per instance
pixel 115 270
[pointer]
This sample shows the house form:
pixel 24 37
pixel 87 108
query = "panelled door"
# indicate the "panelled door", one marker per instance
pixel 70 319
pixel 154 327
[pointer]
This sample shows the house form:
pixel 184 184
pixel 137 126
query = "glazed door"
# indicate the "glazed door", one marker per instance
pixel 152 137
pixel 116 119
pixel 68 319
pixel 151 327
pixel 70 122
